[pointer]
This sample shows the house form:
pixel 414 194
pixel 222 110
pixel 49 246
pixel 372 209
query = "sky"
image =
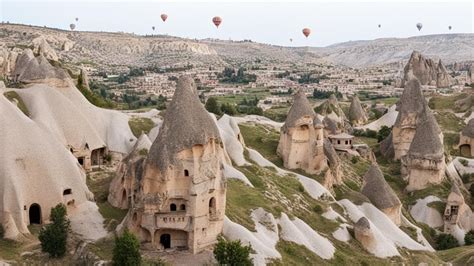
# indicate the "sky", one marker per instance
pixel 273 22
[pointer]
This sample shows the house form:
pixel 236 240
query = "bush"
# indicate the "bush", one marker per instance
pixel 446 241
pixel 354 159
pixel 464 162
pixel 127 250
pixel 469 238
pixel 228 108
pixel 232 253
pixel 317 208
pixel 213 106
pixel 383 133
pixel 471 190
pixel 2 231
pixel 53 237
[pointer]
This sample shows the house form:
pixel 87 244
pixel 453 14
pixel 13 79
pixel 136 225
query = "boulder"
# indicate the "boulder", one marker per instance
pixel 42 47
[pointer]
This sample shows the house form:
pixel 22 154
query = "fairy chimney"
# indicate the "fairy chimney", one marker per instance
pixel 424 162
pixel 381 194
pixel 301 138
pixel 357 115
pixel 181 203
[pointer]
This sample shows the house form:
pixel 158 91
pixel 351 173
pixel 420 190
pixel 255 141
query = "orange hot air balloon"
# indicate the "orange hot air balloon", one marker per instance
pixel 306 32
pixel 164 17
pixel 217 21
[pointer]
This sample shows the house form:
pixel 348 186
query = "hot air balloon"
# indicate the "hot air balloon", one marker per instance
pixel 419 26
pixel 77 19
pixel 72 26
pixel 153 27
pixel 164 17
pixel 217 21
pixel 380 26
pixel 450 27
pixel 306 32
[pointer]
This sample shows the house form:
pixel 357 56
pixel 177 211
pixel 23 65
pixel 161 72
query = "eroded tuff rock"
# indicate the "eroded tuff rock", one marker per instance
pixel 427 71
pixel 42 47
pixel 424 162
pixel 412 103
pixel 31 69
pixel 364 234
pixel 466 140
pixel 357 115
pixel 381 194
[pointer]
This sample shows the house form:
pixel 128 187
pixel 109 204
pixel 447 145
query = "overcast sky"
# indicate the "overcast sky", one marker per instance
pixel 266 21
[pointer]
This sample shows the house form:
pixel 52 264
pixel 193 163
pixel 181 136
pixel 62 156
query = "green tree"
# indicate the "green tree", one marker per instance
pixel 161 102
pixel 228 108
pixel 469 238
pixel 213 106
pixel 53 237
pixel 446 241
pixel 232 253
pixel 127 250
pixel 383 133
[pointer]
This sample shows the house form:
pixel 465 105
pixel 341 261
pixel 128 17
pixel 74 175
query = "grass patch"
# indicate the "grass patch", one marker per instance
pixel 109 212
pixel 140 124
pixel 99 185
pixel 263 139
pixel 12 96
pixel 457 256
pixel 249 93
pixel 440 102
pixel 449 122
pixel 388 101
pixel 277 113
pixel 103 248
pixel 440 206
pixel 294 254
pixel 9 249
pixel 450 140
pixel 439 190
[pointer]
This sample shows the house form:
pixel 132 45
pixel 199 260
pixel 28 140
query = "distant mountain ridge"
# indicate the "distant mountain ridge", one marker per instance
pixel 448 47
pixel 126 49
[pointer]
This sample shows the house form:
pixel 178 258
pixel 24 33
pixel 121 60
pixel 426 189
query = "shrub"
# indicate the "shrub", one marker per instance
pixel 471 190
pixel 469 238
pixel 464 162
pixel 466 177
pixel 213 106
pixel 228 108
pixel 127 250
pixel 354 159
pixel 446 241
pixel 317 208
pixel 383 133
pixel 53 237
pixel 2 231
pixel 232 253
pixel 300 188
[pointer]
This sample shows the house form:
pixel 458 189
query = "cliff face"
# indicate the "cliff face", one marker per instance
pixel 427 71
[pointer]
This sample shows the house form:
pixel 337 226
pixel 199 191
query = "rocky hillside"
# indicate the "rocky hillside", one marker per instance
pixel 447 47
pixel 125 49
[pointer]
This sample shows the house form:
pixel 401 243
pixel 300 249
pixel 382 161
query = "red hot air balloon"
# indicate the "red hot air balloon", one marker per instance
pixel 306 32
pixel 164 17
pixel 217 21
